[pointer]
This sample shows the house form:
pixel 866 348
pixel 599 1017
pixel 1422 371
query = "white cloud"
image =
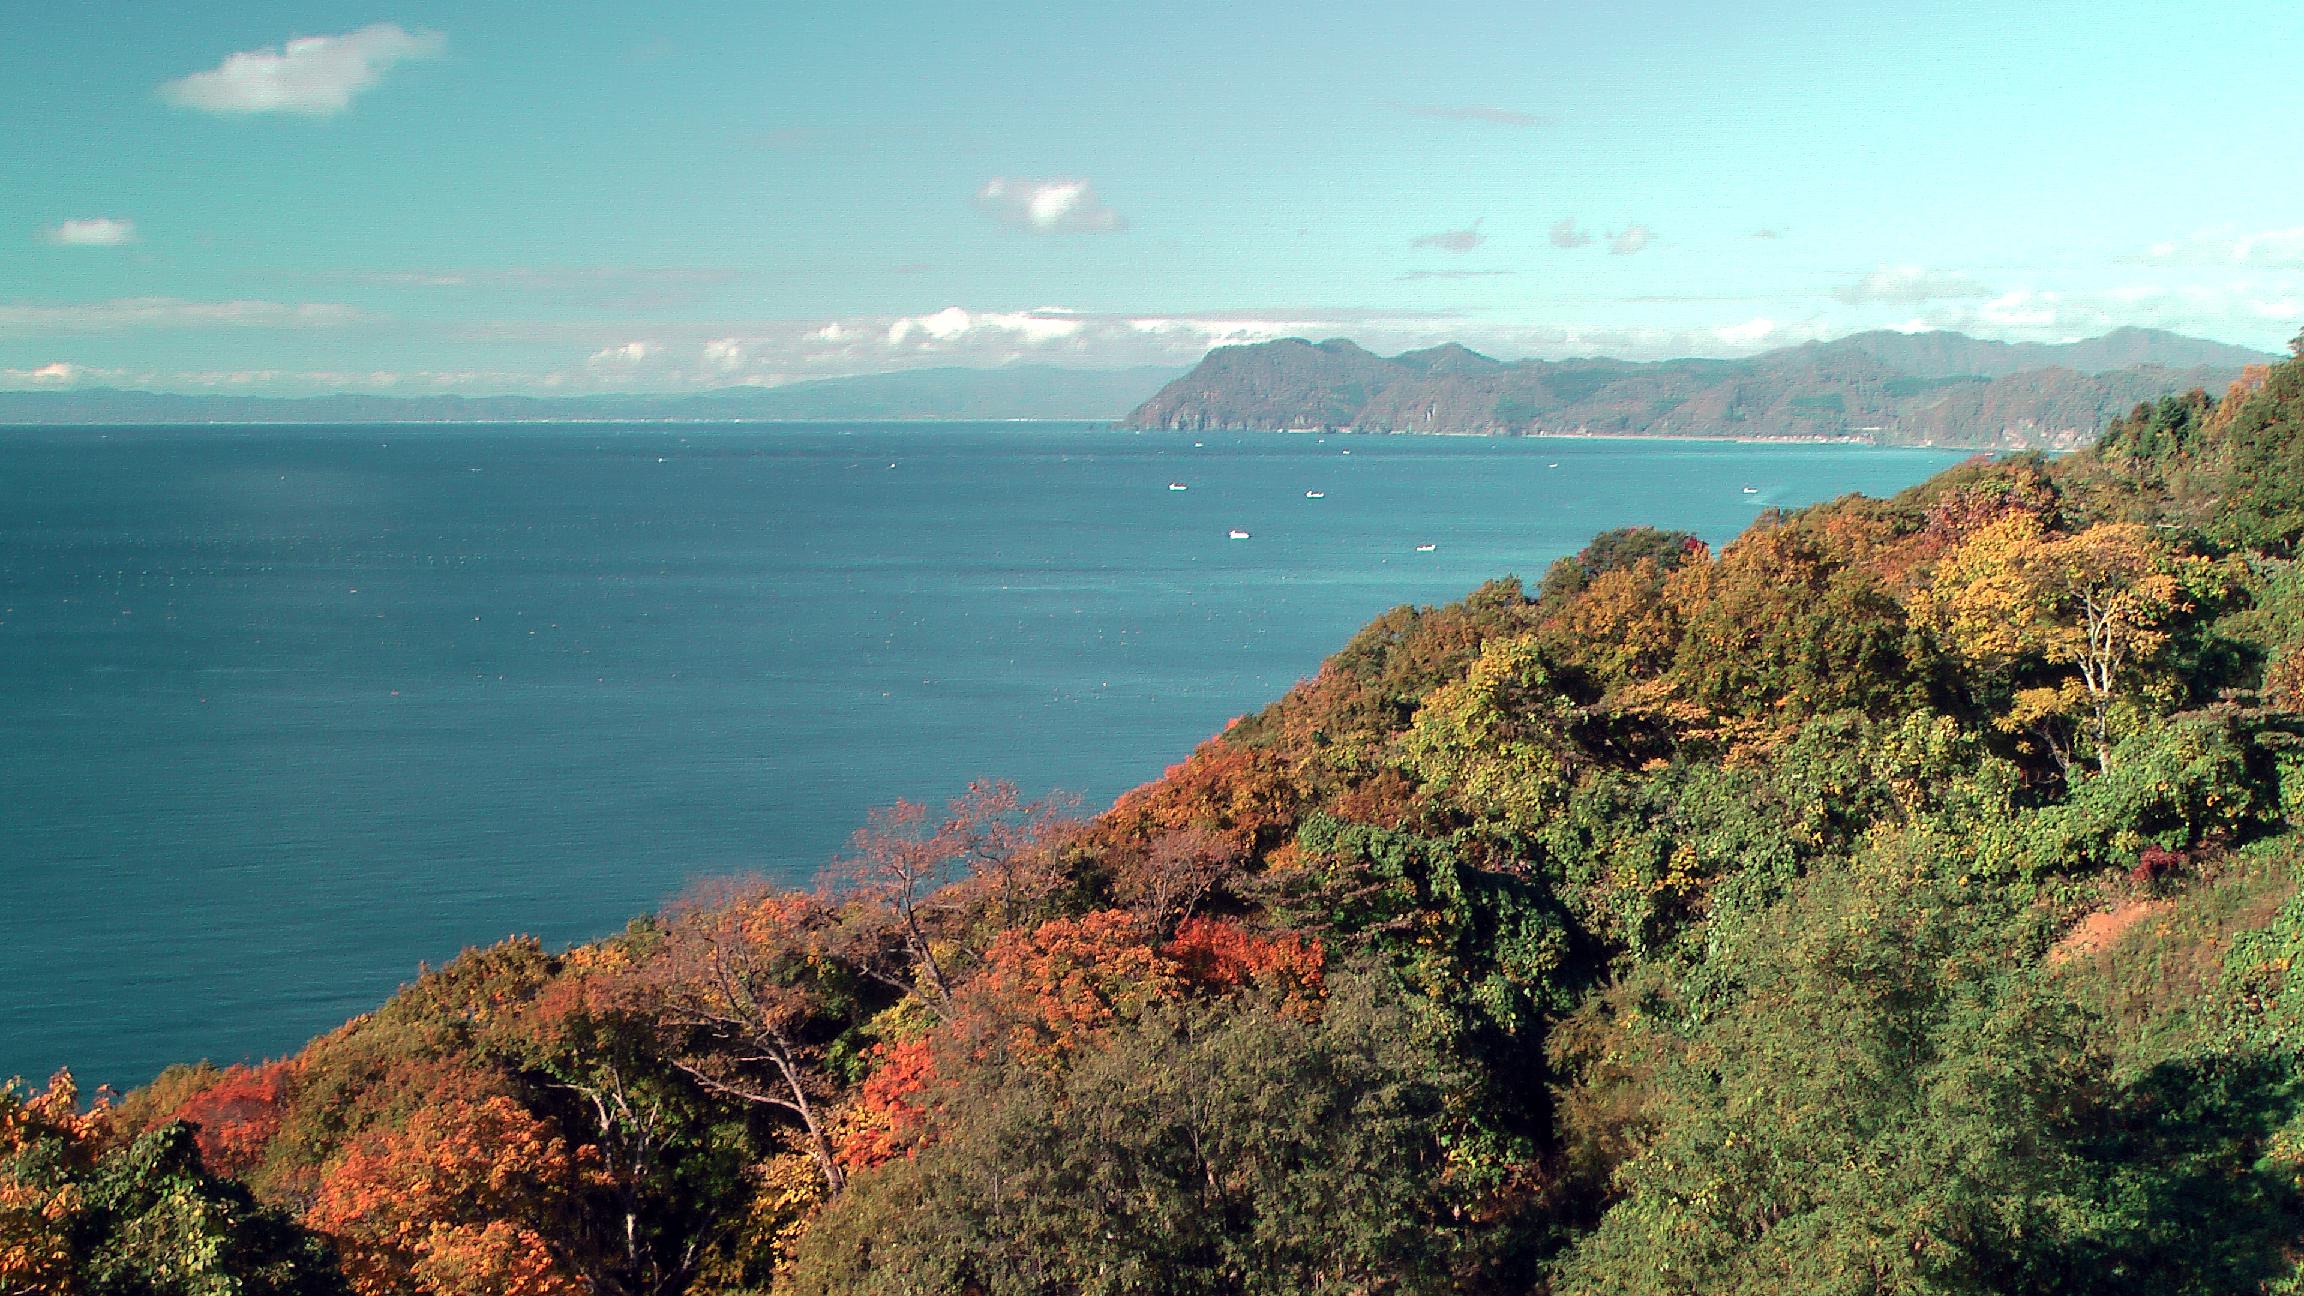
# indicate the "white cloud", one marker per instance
pixel 2281 249
pixel 1751 332
pixel 1458 241
pixel 94 231
pixel 1025 328
pixel 311 76
pixel 624 359
pixel 1056 206
pixel 2023 309
pixel 1478 113
pixel 775 352
pixel 1416 275
pixel 171 312
pixel 1631 239
pixel 724 354
pixel 56 374
pixel 544 278
pixel 1910 284
pixel 1567 234
pixel 2250 310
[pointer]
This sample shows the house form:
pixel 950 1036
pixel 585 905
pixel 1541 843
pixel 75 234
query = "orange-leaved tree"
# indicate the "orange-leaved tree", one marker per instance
pixel 45 1142
pixel 237 1116
pixel 1220 954
pixel 470 1197
pixel 1045 992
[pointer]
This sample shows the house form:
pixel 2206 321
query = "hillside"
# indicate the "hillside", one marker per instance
pixel 1012 392
pixel 1903 899
pixel 1937 388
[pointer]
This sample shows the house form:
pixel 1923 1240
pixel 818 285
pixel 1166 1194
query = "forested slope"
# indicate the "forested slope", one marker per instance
pixel 1902 899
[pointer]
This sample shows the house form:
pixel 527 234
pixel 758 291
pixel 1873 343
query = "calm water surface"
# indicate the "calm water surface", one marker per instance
pixel 285 711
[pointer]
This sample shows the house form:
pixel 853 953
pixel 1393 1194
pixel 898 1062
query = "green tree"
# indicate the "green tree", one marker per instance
pixel 144 1218
pixel 1202 1150
pixel 1886 1108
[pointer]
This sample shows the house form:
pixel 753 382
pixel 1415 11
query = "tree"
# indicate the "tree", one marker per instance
pixel 1496 744
pixel 1202 1148
pixel 1886 1108
pixel 2098 604
pixel 1046 992
pixel 1619 550
pixel 80 1216
pixel 1785 627
pixel 1618 627
pixel 1163 881
pixel 1245 795
pixel 900 883
pixel 742 994
pixel 468 1198
pixel 238 1115
pixel 668 1193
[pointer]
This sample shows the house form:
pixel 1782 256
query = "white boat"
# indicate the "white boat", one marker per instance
pixel 1751 490
pixel 1315 494
pixel 1426 548
pixel 1178 486
pixel 1236 534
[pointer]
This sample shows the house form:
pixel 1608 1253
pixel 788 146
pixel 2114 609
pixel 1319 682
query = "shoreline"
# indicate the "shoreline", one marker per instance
pixel 1110 424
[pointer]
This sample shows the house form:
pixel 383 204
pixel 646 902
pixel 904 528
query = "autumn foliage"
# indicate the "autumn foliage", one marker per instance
pixel 239 1115
pixel 464 1199
pixel 1677 926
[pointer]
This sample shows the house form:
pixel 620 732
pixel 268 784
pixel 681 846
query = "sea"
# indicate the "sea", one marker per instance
pixel 287 711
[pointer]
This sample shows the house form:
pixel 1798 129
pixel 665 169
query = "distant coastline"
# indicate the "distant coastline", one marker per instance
pixel 1108 421
pixel 1944 389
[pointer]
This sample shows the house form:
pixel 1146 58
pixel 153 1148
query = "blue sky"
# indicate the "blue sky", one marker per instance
pixel 493 197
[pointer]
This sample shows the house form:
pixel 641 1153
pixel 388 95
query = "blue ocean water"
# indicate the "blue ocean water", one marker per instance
pixel 285 711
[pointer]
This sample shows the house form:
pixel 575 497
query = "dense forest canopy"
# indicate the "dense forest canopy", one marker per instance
pixel 1902 899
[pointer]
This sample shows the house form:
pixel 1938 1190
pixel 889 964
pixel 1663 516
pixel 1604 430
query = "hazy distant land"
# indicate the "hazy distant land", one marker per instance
pixel 940 394
pixel 1943 389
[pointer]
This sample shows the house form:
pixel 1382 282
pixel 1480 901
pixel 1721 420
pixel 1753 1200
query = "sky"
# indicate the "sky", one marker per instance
pixel 494 197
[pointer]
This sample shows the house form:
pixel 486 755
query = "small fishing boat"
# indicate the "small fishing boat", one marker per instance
pixel 1236 534
pixel 1315 494
pixel 1178 486
pixel 1751 490
pixel 1426 548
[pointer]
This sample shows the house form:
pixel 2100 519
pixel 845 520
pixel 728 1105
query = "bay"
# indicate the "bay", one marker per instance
pixel 284 711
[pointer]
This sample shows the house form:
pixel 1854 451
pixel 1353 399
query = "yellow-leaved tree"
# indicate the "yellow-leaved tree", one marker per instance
pixel 2071 621
pixel 1496 742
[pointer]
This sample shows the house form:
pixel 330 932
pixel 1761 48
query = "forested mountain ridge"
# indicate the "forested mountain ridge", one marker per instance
pixel 1903 899
pixel 1939 388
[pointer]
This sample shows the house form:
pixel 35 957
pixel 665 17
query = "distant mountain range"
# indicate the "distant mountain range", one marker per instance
pixel 1012 392
pixel 1905 388
pixel 1939 388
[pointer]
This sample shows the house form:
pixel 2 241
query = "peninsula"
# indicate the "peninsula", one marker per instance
pixel 1895 388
